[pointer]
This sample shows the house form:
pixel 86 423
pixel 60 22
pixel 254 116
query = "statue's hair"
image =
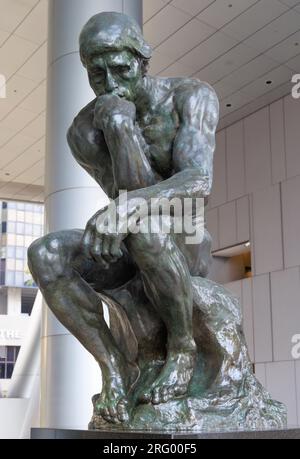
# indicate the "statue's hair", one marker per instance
pixel 113 32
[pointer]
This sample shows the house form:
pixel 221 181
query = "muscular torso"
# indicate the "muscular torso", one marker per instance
pixel 157 128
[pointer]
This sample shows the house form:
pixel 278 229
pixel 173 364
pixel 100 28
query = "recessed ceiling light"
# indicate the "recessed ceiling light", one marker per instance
pixel 297 43
pixel 268 82
pixel 228 105
pixel 230 5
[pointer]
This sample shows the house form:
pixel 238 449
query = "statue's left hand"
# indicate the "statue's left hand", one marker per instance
pixel 104 234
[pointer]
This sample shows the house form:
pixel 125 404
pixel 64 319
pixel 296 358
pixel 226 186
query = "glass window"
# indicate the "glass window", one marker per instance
pixel 28 241
pixel 9 370
pixel 19 279
pixel 20 253
pixel 20 241
pixel 20 216
pixel 19 265
pixel 11 227
pixel 37 230
pixel 10 264
pixel 39 209
pixel 28 229
pixel 29 217
pixel 12 205
pixel 20 228
pixel 20 205
pixel 11 239
pixel 10 353
pixel 10 252
pixel 29 207
pixel 3 352
pixel 10 278
pixel 2 370
pixel 38 219
pixel 8 357
pixel 11 215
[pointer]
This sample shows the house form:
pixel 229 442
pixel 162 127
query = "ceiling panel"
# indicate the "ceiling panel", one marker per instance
pixel 14 148
pixel 277 76
pixel 222 12
pixel 17 120
pixel 3 36
pixel 13 13
pixel 188 37
pixel 255 18
pixel 290 3
pixel 248 73
pixel 286 49
pixel 35 67
pixel 36 128
pixel 33 172
pixel 14 53
pixel 164 24
pixel 34 28
pixel 254 105
pixel 177 70
pixel 207 51
pixel 193 7
pixel 153 7
pixel 274 33
pixel 227 63
pixel 36 100
pixel 6 133
pixel 17 89
pixel 294 64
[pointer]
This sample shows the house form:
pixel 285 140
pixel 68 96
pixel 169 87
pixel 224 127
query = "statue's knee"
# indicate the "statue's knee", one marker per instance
pixel 147 248
pixel 44 260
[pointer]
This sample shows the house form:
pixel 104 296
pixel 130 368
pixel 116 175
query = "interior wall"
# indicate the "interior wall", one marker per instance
pixel 256 197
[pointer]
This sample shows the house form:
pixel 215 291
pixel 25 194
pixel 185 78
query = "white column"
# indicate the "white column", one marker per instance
pixel 14 301
pixel 70 375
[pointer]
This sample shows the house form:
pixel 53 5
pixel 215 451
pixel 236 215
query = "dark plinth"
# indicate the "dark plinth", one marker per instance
pixel 58 434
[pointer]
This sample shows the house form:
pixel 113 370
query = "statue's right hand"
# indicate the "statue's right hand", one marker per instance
pixel 102 247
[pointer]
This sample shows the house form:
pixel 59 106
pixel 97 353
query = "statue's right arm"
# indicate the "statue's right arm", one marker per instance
pixel 89 149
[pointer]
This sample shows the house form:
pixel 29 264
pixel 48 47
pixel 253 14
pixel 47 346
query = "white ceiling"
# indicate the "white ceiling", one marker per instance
pixel 235 45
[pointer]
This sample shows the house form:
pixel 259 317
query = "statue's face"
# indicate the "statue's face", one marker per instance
pixel 115 72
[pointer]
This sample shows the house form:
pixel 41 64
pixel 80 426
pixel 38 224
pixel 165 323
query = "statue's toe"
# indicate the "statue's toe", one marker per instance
pixel 145 398
pixel 122 411
pixel 181 390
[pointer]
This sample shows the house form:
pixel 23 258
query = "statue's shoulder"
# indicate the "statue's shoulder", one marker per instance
pixel 191 90
pixel 82 134
pixel 84 120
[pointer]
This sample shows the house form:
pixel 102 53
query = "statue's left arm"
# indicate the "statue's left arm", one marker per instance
pixel 194 146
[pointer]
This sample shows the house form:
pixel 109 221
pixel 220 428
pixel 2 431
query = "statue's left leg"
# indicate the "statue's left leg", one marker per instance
pixel 167 284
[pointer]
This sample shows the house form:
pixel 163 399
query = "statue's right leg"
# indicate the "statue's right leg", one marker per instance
pixel 69 280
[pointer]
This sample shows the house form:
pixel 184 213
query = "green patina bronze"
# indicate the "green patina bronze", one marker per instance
pixel 174 356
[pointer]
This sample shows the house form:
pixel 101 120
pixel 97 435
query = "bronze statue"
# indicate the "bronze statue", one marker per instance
pixel 174 356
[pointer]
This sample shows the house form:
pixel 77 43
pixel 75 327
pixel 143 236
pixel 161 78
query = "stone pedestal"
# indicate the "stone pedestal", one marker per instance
pixel 56 434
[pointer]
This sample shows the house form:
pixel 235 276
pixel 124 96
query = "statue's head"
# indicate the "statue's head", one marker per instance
pixel 115 54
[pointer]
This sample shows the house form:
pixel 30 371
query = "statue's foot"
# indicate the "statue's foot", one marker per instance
pixel 173 380
pixel 113 404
